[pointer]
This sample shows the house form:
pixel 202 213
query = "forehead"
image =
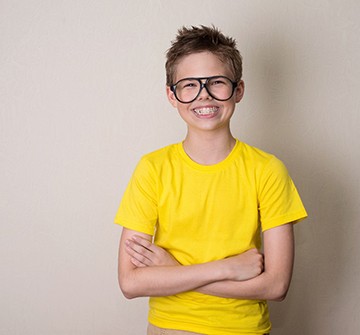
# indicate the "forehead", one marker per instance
pixel 202 64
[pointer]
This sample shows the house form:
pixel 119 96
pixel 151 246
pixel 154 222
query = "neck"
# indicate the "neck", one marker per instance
pixel 208 149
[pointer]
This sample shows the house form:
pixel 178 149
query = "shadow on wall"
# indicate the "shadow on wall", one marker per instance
pixel 284 125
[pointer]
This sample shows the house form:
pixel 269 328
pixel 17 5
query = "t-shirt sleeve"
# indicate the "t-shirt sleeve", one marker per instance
pixel 278 199
pixel 138 207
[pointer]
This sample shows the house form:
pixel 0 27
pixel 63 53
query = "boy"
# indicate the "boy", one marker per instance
pixel 193 212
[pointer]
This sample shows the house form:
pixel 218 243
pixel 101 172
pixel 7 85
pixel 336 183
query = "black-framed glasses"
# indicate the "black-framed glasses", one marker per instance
pixel 188 89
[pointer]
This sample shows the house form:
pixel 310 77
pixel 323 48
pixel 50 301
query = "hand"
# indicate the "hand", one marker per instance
pixel 144 253
pixel 244 266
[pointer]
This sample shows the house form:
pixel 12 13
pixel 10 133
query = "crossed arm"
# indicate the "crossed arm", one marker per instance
pixel 148 270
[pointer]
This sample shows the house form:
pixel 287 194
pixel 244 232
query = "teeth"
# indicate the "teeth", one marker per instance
pixel 205 110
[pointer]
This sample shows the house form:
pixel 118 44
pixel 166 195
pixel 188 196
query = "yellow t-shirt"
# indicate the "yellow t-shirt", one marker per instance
pixel 204 213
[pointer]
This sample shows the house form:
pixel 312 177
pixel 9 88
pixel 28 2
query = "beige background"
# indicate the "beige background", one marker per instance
pixel 82 97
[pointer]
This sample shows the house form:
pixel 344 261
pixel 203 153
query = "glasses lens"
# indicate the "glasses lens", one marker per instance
pixel 221 88
pixel 187 89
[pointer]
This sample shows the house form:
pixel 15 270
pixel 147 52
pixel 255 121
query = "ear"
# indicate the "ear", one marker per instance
pixel 171 96
pixel 239 91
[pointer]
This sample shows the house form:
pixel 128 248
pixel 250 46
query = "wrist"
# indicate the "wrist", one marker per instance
pixel 223 270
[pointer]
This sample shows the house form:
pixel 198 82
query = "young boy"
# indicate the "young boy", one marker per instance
pixel 193 212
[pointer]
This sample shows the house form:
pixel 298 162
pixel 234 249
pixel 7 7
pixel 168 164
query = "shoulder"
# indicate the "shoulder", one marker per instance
pixel 256 155
pixel 161 154
pixel 159 158
pixel 262 161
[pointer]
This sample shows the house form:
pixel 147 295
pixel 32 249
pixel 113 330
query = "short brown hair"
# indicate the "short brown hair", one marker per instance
pixel 198 39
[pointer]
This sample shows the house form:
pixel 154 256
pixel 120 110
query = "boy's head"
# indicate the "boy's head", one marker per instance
pixel 199 39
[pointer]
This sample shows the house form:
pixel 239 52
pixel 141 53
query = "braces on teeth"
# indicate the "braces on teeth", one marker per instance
pixel 203 111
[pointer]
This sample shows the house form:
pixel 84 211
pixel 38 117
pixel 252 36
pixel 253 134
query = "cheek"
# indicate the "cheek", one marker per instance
pixel 185 113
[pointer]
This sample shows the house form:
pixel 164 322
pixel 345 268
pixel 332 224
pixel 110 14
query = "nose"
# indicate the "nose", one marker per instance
pixel 204 94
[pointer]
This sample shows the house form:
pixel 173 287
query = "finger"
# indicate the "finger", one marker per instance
pixel 138 259
pixel 138 254
pixel 148 245
pixel 143 242
pixel 138 248
pixel 137 263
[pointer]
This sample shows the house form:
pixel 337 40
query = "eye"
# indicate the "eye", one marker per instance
pixel 188 84
pixel 218 81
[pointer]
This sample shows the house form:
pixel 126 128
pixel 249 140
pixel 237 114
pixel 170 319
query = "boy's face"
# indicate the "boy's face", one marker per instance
pixel 205 113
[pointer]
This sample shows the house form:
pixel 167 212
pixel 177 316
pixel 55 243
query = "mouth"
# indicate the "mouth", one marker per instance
pixel 205 111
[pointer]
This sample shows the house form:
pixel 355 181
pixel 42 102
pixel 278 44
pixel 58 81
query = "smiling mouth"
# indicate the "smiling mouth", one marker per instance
pixel 205 110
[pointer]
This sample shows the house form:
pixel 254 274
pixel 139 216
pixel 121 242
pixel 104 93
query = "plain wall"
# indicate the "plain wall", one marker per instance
pixel 82 97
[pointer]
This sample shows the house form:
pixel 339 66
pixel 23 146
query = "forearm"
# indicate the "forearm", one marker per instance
pixel 263 287
pixel 168 280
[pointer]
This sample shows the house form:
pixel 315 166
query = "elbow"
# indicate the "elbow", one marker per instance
pixel 279 292
pixel 128 294
pixel 279 297
pixel 127 288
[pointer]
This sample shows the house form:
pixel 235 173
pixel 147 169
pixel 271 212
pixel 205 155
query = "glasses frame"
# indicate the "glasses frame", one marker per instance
pixel 203 85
